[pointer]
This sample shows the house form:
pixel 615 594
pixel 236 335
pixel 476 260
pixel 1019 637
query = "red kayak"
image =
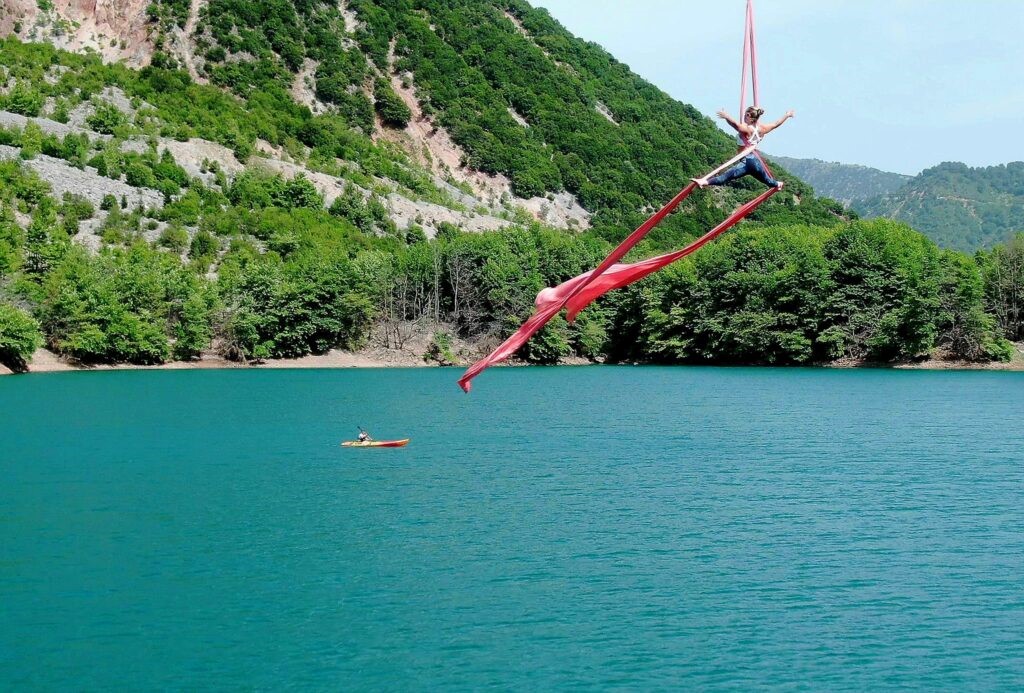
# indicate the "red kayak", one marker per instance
pixel 375 443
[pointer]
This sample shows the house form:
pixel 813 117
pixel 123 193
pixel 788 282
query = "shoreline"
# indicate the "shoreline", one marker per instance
pixel 45 361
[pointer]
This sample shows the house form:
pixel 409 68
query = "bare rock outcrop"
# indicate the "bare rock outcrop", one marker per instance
pixel 50 127
pixel 116 29
pixel 405 212
pixel 65 178
pixel 561 211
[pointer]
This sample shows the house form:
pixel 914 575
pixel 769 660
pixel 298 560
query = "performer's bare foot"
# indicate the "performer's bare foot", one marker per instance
pixel 700 182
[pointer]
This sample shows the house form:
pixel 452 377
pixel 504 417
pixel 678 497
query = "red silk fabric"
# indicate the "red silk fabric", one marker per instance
pixel 579 292
pixel 619 276
pixel 541 317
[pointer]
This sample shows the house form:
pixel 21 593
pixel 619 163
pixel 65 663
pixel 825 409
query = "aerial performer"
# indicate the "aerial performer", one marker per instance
pixel 577 293
pixel 750 131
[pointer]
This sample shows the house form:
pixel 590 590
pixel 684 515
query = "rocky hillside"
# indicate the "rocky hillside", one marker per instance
pixel 847 183
pixel 122 32
pixel 493 97
pixel 119 30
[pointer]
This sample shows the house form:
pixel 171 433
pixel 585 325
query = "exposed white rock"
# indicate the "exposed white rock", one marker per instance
pixel 303 89
pixel 406 212
pixel 50 127
pixel 563 211
pixel 65 178
pixel 191 154
pixel 604 111
pixel 518 118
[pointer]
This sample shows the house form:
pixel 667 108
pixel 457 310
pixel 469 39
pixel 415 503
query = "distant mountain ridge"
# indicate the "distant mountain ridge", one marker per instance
pixel 957 206
pixel 844 182
pixel 953 204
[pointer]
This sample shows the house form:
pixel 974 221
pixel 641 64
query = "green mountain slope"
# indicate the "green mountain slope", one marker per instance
pixel 518 93
pixel 145 215
pixel 847 183
pixel 958 206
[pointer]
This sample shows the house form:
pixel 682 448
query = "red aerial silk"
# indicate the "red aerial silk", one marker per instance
pixel 551 307
pixel 578 292
pixel 555 302
pixel 749 61
pixel 619 276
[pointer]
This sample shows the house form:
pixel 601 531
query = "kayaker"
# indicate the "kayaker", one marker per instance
pixel 363 436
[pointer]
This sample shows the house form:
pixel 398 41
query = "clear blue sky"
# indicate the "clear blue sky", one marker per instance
pixel 900 85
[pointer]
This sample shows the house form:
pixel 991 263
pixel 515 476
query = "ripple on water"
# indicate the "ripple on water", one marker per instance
pixel 650 528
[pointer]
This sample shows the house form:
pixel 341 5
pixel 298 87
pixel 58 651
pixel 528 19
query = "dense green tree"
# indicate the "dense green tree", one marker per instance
pixel 968 331
pixel 120 306
pixel 23 99
pixel 174 238
pixel 75 209
pixel 300 192
pixel 280 310
pixel 31 141
pixel 19 337
pixel 203 247
pixel 106 118
pixel 366 214
pixel 12 239
pixel 193 323
pixel 392 110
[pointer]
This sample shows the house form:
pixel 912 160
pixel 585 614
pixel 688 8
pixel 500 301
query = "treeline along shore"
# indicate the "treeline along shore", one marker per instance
pixel 857 292
pixel 183 262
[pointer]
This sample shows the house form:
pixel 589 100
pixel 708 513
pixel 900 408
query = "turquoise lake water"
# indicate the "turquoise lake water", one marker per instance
pixel 583 528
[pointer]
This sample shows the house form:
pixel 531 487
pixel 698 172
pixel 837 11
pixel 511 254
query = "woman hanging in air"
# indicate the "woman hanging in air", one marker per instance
pixel 749 132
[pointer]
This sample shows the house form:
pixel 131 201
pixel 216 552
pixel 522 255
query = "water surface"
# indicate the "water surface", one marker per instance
pixel 588 528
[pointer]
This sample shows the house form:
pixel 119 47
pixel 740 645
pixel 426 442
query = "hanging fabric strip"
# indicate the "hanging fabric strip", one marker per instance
pixel 750 65
pixel 746 65
pixel 580 291
pixel 753 53
pixel 619 276
pixel 552 307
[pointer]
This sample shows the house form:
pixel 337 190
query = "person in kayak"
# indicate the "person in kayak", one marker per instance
pixel 749 132
pixel 363 436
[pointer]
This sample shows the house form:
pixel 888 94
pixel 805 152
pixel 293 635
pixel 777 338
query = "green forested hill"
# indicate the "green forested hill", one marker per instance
pixel 594 128
pixel 848 183
pixel 954 205
pixel 288 245
pixel 958 206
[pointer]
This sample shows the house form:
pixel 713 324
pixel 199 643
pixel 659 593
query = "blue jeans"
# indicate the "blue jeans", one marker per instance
pixel 750 166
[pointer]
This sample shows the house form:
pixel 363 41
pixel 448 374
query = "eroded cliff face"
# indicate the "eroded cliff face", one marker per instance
pixel 116 29
pixel 121 31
